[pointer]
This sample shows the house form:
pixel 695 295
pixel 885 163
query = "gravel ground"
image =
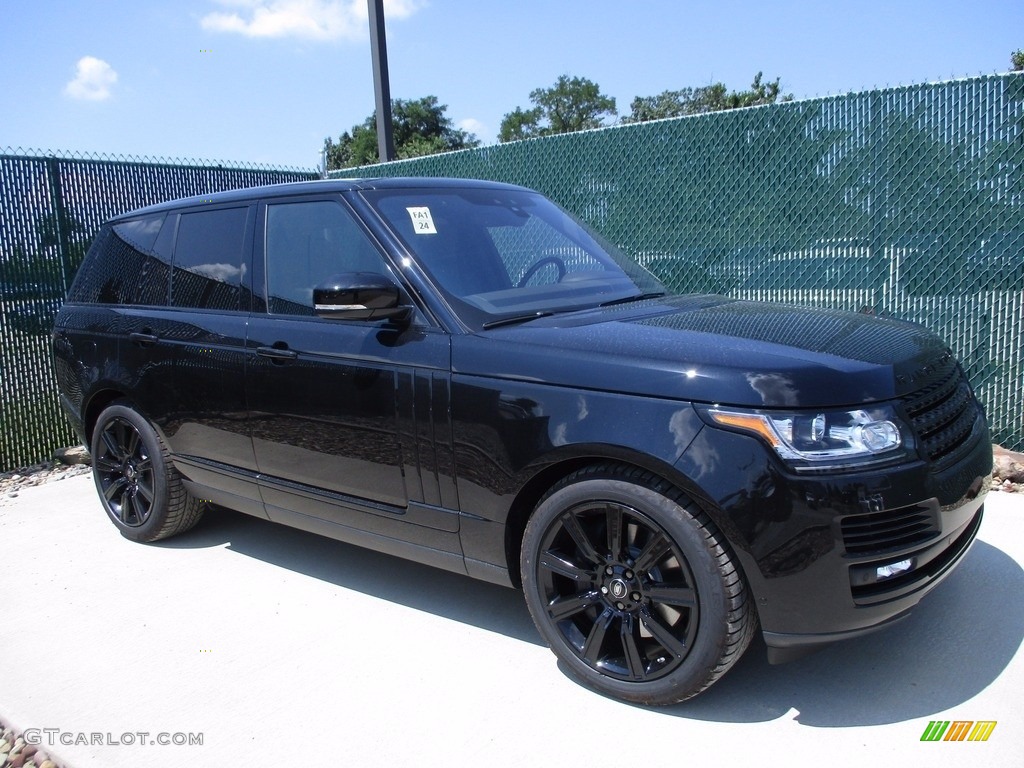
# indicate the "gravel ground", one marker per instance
pixel 12 482
pixel 67 462
pixel 16 753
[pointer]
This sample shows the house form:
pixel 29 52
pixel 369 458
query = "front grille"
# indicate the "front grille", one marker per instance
pixel 876 533
pixel 943 416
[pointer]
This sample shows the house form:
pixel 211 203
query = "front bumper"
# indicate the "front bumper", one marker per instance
pixel 833 557
pixel 898 594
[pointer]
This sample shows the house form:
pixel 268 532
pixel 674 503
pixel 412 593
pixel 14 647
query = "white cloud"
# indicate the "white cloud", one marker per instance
pixel 93 80
pixel 472 125
pixel 308 19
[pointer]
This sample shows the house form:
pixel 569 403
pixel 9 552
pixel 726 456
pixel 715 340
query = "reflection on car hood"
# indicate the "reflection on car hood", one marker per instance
pixel 714 350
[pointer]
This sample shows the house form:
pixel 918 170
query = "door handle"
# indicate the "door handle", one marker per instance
pixel 144 338
pixel 277 353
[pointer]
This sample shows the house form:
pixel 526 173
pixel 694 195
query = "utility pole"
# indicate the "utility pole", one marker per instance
pixel 381 86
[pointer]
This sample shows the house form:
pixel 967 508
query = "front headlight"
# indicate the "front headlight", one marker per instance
pixel 821 439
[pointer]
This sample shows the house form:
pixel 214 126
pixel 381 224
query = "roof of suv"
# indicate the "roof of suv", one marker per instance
pixel 318 186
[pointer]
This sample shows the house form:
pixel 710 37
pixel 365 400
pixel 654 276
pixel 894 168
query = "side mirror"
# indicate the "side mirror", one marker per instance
pixel 359 296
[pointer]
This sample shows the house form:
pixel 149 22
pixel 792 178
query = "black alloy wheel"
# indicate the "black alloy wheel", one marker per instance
pixel 139 488
pixel 619 591
pixel 124 473
pixel 632 588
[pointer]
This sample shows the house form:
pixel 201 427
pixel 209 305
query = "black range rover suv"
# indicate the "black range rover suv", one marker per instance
pixel 460 373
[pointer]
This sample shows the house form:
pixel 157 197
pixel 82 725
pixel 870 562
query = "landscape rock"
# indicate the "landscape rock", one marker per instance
pixel 1008 465
pixel 76 454
pixel 1007 470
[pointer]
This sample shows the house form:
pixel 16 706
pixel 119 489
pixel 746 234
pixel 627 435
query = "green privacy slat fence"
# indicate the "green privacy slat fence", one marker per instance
pixel 907 202
pixel 50 208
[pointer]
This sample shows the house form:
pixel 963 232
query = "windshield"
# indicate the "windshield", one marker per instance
pixel 500 254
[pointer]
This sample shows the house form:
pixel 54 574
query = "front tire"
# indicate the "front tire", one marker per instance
pixel 633 587
pixel 139 488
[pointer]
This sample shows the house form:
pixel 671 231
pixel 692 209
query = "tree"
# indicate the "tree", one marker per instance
pixel 759 93
pixel 420 128
pixel 708 98
pixel 1017 60
pixel 571 104
pixel 687 101
pixel 520 124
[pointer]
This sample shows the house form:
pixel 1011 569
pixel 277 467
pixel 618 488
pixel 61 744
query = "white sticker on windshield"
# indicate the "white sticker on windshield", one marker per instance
pixel 422 221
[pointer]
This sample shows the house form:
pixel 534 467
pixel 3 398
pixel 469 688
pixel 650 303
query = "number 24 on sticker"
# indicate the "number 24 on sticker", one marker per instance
pixel 422 221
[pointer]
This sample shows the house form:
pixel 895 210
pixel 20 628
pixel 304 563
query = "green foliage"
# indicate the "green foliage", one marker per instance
pixel 1017 60
pixel 571 104
pixel 520 124
pixel 708 98
pixel 687 101
pixel 420 128
pixel 46 263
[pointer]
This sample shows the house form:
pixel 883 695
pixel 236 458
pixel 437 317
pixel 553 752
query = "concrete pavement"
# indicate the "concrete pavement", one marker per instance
pixel 276 647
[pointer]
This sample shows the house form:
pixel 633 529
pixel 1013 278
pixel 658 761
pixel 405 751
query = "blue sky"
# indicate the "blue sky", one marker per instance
pixel 266 80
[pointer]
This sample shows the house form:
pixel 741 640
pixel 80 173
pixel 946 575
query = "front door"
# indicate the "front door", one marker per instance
pixel 332 403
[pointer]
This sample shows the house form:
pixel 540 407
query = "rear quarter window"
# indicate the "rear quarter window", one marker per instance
pixel 129 263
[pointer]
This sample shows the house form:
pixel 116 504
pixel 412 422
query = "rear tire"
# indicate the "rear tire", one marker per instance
pixel 633 587
pixel 139 488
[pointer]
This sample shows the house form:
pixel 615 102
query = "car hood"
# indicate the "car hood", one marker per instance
pixel 714 350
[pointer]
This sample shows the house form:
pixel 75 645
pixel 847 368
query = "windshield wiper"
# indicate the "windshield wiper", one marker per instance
pixel 515 320
pixel 628 299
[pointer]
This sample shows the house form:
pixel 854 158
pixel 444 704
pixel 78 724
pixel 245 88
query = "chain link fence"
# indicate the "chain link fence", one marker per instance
pixel 51 206
pixel 907 202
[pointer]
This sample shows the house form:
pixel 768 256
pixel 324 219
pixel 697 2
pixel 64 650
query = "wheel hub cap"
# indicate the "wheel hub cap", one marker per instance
pixel 621 587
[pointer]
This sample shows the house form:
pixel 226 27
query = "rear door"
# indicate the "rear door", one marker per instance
pixel 184 342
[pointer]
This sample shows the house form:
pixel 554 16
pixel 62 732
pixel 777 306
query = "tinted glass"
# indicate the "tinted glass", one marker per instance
pixel 128 264
pixel 498 253
pixel 154 283
pixel 306 244
pixel 208 259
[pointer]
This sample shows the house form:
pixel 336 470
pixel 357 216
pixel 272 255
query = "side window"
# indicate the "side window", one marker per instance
pixel 129 264
pixel 208 259
pixel 307 243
